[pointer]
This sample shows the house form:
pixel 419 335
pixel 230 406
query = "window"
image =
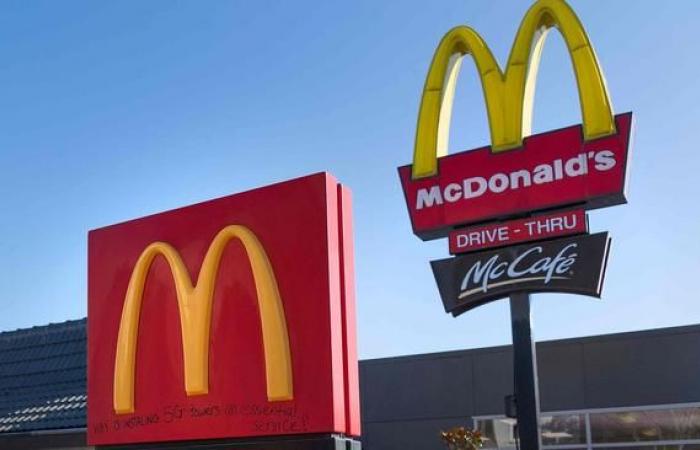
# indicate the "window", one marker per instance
pixel 677 424
pixel 653 447
pixel 673 427
pixel 563 429
pixel 497 433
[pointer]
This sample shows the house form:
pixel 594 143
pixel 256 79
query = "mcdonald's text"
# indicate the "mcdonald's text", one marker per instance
pixel 551 170
pixel 520 179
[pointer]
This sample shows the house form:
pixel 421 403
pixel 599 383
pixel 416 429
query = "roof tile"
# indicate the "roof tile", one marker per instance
pixel 43 377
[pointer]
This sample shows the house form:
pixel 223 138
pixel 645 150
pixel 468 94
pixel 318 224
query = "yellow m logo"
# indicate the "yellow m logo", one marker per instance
pixel 509 95
pixel 195 307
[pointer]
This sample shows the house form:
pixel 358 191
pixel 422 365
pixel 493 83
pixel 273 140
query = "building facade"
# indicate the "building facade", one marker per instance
pixel 637 390
pixel 634 391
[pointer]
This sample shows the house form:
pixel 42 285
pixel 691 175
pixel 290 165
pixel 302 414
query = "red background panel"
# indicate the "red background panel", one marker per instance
pixel 594 190
pixel 297 224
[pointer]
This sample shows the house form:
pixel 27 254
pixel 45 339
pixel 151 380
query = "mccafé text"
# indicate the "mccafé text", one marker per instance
pixel 486 274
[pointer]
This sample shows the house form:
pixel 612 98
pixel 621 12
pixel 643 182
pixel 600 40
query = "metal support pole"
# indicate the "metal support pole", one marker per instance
pixel 525 369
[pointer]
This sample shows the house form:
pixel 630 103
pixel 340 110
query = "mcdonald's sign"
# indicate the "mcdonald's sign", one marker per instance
pixel 583 165
pixel 229 318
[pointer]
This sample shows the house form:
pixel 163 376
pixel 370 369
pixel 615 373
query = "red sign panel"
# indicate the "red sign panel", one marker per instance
pixel 553 169
pixel 229 318
pixel 517 231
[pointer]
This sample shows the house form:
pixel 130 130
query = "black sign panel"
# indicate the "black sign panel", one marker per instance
pixel 574 265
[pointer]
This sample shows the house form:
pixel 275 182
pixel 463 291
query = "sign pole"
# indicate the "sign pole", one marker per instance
pixel 585 172
pixel 525 370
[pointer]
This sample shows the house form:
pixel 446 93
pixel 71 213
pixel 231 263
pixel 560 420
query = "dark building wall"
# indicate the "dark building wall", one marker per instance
pixel 406 401
pixel 62 440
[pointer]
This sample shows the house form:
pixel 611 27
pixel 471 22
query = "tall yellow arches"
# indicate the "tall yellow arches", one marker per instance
pixel 195 307
pixel 508 95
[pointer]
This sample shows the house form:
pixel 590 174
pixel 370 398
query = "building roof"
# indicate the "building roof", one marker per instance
pixel 43 377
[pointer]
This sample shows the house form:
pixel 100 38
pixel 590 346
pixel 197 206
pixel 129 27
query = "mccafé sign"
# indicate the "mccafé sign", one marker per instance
pixel 510 209
pixel 230 318
pixel 584 165
pixel 574 265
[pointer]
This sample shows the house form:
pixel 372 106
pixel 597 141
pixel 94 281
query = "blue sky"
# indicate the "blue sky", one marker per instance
pixel 114 110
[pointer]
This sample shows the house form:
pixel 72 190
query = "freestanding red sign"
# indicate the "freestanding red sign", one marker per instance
pixel 229 318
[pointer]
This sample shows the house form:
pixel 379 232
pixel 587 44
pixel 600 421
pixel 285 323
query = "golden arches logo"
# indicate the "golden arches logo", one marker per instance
pixel 195 308
pixel 508 95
